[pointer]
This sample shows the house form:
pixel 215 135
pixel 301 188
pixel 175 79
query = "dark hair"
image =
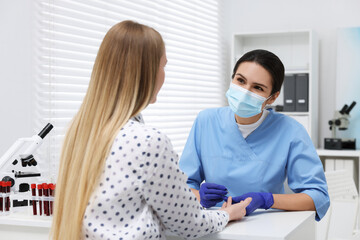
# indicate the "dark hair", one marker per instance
pixel 267 60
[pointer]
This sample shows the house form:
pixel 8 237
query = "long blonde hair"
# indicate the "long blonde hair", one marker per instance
pixel 122 84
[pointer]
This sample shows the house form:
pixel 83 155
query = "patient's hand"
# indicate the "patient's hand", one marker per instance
pixel 236 211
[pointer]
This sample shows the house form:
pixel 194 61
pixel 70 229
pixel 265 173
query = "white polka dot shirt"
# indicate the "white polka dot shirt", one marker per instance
pixel 142 192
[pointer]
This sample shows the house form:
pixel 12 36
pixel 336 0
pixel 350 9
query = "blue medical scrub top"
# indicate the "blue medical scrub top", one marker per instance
pixel 279 148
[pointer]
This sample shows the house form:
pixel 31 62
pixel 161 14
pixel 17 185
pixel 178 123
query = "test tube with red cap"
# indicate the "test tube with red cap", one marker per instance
pixel 33 193
pixel 46 200
pixel 1 196
pixel 39 187
pixel 51 190
pixel 7 201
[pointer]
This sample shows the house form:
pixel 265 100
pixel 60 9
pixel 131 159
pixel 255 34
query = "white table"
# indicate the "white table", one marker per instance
pixel 261 225
pixel 343 154
pixel 269 225
pixel 338 153
pixel 24 226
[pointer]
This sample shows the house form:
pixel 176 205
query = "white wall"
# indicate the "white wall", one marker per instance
pixel 16 71
pixel 323 16
pixel 17 54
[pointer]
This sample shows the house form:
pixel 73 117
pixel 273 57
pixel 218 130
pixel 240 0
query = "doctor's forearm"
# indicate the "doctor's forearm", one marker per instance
pixel 297 201
pixel 196 193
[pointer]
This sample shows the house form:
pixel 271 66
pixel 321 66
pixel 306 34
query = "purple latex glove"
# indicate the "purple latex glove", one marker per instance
pixel 211 194
pixel 259 200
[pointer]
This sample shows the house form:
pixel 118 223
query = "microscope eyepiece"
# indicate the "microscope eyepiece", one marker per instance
pixel 350 108
pixel 46 130
pixel 344 108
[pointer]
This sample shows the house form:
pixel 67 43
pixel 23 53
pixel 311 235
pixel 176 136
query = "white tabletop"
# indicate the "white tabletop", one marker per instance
pixel 22 219
pixel 261 225
pixel 343 153
pixel 270 224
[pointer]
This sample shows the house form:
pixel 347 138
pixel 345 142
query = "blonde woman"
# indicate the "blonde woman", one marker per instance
pixel 118 178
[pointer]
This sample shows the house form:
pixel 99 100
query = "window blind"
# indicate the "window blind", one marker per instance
pixel 70 33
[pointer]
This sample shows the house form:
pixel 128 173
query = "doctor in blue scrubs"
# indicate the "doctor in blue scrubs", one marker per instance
pixel 244 150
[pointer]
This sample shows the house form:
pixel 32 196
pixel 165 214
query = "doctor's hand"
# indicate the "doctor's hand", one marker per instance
pixel 259 200
pixel 211 194
pixel 236 211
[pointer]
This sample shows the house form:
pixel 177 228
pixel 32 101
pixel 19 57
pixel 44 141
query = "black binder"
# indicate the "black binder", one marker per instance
pixel 302 92
pixel 289 93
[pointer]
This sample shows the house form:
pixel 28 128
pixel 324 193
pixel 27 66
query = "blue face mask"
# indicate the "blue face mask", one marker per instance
pixel 243 102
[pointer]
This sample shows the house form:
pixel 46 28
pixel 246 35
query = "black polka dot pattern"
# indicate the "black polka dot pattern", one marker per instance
pixel 142 193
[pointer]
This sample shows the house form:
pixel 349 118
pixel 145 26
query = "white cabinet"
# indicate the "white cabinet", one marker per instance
pixel 343 212
pixel 298 50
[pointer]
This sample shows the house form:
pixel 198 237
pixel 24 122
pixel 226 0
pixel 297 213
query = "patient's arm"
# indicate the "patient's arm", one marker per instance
pixel 296 201
pixel 196 193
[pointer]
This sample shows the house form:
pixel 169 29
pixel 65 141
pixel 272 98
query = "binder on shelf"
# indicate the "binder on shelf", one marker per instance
pixel 289 93
pixel 302 92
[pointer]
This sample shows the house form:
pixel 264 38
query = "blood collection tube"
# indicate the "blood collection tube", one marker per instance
pixel 46 201
pixel 1 196
pixel 51 190
pixel 39 187
pixel 7 202
pixel 33 193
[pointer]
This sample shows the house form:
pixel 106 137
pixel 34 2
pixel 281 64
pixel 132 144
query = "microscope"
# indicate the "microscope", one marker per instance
pixel 340 122
pixel 19 156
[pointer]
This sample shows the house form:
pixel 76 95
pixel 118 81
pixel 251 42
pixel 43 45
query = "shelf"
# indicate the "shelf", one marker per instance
pixel 338 153
pixel 291 47
pixel 296 113
pixel 295 71
pixel 291 113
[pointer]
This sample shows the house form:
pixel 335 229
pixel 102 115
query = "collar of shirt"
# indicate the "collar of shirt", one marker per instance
pixel 138 118
pixel 246 130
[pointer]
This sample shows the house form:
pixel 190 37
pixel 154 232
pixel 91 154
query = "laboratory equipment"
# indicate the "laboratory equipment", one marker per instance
pixel 5 189
pixel 44 199
pixel 52 195
pixel 340 122
pixel 34 201
pixel 40 191
pixel 26 157
pixel 21 155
